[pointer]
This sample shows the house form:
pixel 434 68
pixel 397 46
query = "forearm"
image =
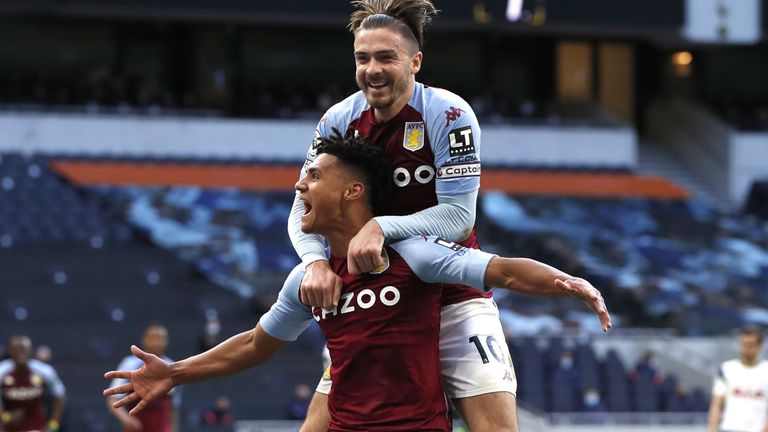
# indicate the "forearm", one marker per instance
pixel 58 407
pixel 309 247
pixel 452 219
pixel 713 418
pixel 525 276
pixel 236 354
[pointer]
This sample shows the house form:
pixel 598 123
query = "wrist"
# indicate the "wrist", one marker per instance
pixel 376 226
pixel 177 369
pixel 320 261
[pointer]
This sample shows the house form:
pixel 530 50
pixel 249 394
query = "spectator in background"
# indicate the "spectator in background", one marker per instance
pixel 565 371
pixel 679 400
pixel 44 353
pixel 646 370
pixel 162 414
pixel 297 408
pixel 591 401
pixel 740 391
pixel 24 384
pixel 219 414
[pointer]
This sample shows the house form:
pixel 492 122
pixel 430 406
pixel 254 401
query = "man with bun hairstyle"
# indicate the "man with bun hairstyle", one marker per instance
pixel 431 139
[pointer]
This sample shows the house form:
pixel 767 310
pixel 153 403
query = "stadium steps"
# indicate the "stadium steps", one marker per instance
pixel 654 159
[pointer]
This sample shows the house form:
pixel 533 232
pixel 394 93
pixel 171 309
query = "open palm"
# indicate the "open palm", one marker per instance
pixel 146 384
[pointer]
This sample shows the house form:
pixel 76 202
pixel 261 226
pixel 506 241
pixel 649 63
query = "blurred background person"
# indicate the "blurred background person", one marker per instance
pixel 591 402
pixel 24 383
pixel 219 414
pixel 740 392
pixel 297 408
pixel 43 353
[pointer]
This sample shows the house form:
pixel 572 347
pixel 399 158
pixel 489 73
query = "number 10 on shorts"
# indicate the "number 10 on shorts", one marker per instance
pixel 486 344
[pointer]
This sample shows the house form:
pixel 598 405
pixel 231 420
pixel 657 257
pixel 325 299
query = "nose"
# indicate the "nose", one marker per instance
pixel 374 67
pixel 300 185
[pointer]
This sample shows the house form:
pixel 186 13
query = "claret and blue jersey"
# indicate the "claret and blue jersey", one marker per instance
pixel 383 336
pixel 433 146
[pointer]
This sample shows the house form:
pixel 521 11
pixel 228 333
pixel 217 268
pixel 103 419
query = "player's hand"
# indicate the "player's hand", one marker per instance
pixel 364 251
pixel 12 417
pixel 320 287
pixel 145 384
pixel 589 295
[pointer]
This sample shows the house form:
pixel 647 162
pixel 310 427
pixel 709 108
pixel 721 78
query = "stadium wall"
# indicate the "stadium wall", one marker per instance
pixel 728 160
pixel 288 140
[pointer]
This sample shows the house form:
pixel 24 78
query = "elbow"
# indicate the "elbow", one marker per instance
pixel 465 222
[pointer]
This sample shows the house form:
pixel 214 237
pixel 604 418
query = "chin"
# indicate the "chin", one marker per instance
pixel 308 227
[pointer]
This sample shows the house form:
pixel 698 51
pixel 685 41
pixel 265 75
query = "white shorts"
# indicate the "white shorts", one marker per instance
pixel 474 357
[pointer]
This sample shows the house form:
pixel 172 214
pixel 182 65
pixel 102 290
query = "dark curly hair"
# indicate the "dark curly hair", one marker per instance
pixel 408 17
pixel 367 160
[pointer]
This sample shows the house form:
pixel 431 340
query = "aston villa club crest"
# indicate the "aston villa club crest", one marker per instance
pixel 413 139
pixel 36 380
pixel 382 268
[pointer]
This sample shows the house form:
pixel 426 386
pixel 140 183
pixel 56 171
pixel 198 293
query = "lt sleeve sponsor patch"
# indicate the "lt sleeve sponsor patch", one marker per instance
pixel 461 142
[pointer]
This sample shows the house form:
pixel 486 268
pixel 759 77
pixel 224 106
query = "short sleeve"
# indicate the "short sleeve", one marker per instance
pixel 52 381
pixel 288 317
pixel 455 142
pixel 436 260
pixel 720 387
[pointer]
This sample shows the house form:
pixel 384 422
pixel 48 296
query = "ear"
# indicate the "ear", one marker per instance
pixel 354 191
pixel 416 62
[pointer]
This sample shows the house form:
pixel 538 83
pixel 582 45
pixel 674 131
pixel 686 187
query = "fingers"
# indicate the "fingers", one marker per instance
pixel 121 389
pixel 352 266
pixel 591 297
pixel 364 261
pixel 130 399
pixel 315 298
pixel 303 295
pixel 337 287
pixel 317 286
pixel 139 353
pixel 327 299
pixel 118 374
pixel 331 297
pixel 602 313
pixel 140 406
pixel 597 304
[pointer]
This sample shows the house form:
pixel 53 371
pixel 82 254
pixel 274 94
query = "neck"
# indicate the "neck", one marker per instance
pixel 750 361
pixel 387 114
pixel 348 226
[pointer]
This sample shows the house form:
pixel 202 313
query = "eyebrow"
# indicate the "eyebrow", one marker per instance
pixel 389 51
pixel 311 170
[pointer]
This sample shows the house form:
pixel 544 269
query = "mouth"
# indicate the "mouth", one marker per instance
pixel 307 206
pixel 377 85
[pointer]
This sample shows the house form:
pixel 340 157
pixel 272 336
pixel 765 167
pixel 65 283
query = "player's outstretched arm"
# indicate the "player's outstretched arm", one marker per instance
pixel 157 377
pixel 527 276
